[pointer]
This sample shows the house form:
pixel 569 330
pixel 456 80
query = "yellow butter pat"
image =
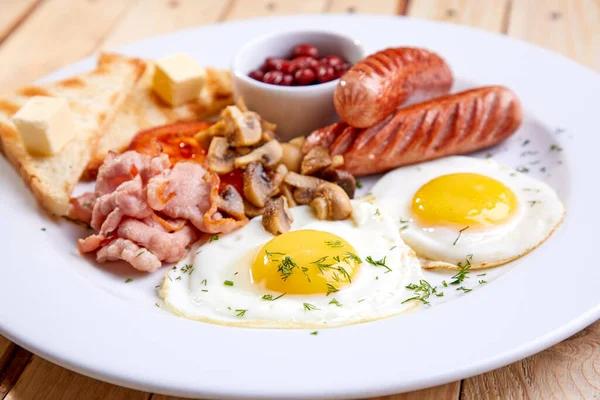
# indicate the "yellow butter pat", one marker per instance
pixel 45 124
pixel 178 79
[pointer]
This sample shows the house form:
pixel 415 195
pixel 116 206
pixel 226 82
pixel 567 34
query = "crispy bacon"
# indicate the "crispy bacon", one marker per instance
pixel 141 205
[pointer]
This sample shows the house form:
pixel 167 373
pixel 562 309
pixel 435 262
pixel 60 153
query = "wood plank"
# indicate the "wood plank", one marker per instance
pixel 571 369
pixel 46 381
pixel 57 33
pixel 243 9
pixel 486 14
pixel 16 360
pixel 569 27
pixel 5 346
pixel 13 13
pixel 389 7
pixel 153 17
pixel 450 391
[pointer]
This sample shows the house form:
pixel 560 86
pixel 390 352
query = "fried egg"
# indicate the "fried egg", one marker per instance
pixel 460 208
pixel 319 274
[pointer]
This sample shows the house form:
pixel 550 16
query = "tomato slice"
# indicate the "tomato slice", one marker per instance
pixel 176 140
pixel 233 178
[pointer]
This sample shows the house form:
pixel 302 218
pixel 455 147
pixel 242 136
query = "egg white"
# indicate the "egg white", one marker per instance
pixel 201 294
pixel 539 213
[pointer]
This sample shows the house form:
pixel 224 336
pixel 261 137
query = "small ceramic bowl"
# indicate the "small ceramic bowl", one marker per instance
pixel 297 110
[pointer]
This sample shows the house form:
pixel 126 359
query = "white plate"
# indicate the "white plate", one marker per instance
pixel 86 318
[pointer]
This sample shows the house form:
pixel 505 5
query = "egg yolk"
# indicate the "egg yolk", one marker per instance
pixel 464 199
pixel 305 262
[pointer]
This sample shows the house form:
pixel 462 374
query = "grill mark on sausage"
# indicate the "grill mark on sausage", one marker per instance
pixel 389 131
pixel 468 121
pixel 455 124
pixel 375 86
pixel 343 142
pixel 447 122
pixel 490 101
pixel 412 138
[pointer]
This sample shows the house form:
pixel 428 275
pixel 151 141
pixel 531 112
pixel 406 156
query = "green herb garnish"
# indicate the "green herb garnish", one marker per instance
pixel 270 297
pixel 461 275
pixel 459 235
pixel 378 263
pixel 335 302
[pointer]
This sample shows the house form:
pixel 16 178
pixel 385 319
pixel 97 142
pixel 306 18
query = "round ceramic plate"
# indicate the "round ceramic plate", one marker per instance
pixel 85 317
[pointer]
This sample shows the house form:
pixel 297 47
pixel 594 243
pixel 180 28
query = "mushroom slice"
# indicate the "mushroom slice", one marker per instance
pixel 205 137
pixel 336 161
pixel 268 154
pixel 303 195
pixel 277 218
pixel 298 142
pixel 343 178
pixel 251 210
pixel 291 156
pixel 302 181
pixel 220 158
pixel 241 128
pixel 268 126
pixel 231 203
pixel 286 191
pixel 258 185
pixel 315 160
pixel 331 202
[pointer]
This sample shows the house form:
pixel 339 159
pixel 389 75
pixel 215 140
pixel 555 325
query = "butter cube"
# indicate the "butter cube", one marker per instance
pixel 178 79
pixel 45 125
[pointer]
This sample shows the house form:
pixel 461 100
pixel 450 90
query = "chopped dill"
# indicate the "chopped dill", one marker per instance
pixel 269 297
pixel 461 275
pixel 240 313
pixel 335 302
pixel 459 235
pixel 331 289
pixel 378 263
pixel 422 291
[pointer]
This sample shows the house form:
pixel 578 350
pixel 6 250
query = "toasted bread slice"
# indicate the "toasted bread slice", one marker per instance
pixel 94 99
pixel 143 109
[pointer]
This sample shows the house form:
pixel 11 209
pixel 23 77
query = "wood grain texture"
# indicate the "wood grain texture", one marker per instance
pixel 57 33
pixel 45 381
pixel 244 9
pixel 569 27
pixel 388 7
pixel 569 370
pixel 148 18
pixel 12 13
pixel 486 14
pixel 5 345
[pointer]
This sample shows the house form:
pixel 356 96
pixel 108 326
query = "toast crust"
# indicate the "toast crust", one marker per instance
pixel 94 98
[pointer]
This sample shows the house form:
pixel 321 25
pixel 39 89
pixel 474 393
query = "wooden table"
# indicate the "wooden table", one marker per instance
pixel 38 36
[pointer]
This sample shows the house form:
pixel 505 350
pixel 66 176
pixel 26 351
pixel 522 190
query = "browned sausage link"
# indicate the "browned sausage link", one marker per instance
pixel 380 83
pixel 323 136
pixel 455 124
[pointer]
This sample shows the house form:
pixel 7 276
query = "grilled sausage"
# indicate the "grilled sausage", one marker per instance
pixel 456 124
pixel 380 83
